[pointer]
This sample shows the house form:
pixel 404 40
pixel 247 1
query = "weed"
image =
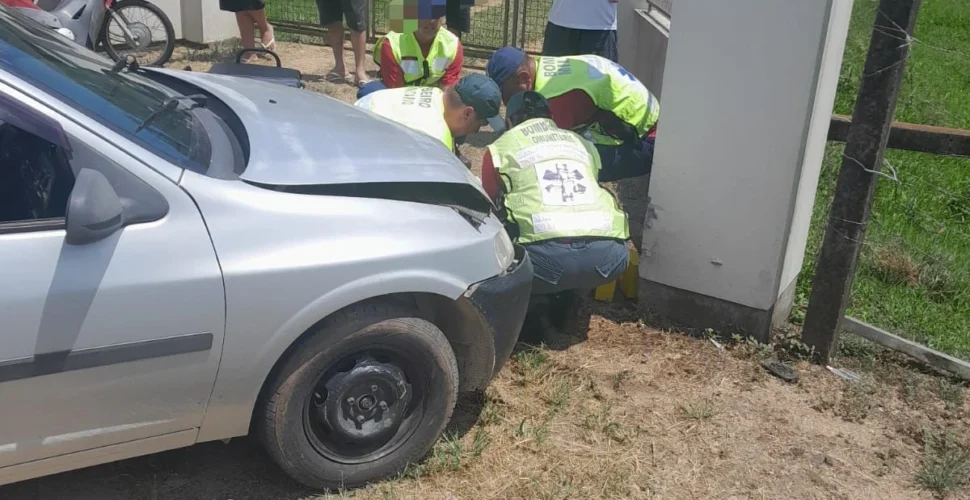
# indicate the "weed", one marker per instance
pixel 946 462
pixel 749 347
pixel 698 410
pixel 887 461
pixel 789 346
pixel 909 391
pixel 603 423
pixel 448 453
pixel 491 411
pixel 618 379
pixel 558 397
pixel 480 441
pixel 530 363
pixel 537 433
pixel 952 395
pixel 857 400
pixel 893 266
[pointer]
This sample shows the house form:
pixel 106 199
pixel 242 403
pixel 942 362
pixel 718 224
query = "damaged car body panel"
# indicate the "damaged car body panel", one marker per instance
pixel 335 250
pixel 298 138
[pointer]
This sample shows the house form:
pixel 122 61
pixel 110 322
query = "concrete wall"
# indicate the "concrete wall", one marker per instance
pixel 831 67
pixel 203 22
pixel 642 37
pixel 172 9
pixel 749 88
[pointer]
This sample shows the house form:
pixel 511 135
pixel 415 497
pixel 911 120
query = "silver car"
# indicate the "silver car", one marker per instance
pixel 188 257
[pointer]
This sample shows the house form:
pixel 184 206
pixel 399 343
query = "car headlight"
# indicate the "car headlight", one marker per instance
pixel 504 250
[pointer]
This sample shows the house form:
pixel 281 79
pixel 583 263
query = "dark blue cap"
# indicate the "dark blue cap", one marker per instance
pixel 529 104
pixel 503 64
pixel 484 96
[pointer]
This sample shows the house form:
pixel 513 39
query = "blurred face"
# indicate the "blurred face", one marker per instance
pixel 428 29
pixel 519 82
pixel 468 122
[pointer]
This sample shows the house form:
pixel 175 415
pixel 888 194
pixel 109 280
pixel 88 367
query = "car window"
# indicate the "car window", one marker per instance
pixel 83 79
pixel 35 178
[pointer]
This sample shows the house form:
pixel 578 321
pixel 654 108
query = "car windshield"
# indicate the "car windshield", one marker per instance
pixel 84 80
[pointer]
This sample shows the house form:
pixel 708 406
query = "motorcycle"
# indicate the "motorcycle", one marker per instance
pixel 121 27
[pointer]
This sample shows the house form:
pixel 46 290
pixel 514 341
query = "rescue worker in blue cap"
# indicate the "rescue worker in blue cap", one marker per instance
pixel 593 96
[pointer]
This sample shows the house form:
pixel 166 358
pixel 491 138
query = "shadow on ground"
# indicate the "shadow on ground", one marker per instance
pixel 239 470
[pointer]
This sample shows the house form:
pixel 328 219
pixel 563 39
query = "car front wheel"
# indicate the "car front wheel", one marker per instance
pixel 366 394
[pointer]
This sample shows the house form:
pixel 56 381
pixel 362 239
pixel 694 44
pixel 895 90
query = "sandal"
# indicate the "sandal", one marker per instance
pixel 271 44
pixel 334 77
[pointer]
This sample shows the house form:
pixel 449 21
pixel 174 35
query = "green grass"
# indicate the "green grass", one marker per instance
pixel 913 276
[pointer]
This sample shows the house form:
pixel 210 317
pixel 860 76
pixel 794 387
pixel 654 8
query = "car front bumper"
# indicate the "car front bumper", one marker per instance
pixel 502 302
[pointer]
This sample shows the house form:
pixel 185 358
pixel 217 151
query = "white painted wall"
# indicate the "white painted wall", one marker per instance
pixel 831 67
pixel 203 22
pixel 642 35
pixel 172 9
pixel 748 85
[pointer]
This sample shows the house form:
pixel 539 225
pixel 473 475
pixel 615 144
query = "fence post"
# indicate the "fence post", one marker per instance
pixel 515 20
pixel 861 162
pixel 505 25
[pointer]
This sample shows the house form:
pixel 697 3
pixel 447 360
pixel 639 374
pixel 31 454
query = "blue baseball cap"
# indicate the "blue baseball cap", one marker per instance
pixel 484 96
pixel 503 64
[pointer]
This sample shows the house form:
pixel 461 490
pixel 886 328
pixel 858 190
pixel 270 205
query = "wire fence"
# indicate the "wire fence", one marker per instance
pixel 494 23
pixel 891 237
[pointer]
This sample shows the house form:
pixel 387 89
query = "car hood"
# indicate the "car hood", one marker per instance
pixel 300 138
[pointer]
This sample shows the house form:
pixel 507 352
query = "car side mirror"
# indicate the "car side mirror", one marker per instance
pixel 94 210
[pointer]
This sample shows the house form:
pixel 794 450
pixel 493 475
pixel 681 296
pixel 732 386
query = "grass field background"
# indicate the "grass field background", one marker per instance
pixel 914 277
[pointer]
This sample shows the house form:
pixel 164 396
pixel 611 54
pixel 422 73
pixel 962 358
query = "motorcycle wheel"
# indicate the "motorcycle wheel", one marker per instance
pixel 157 57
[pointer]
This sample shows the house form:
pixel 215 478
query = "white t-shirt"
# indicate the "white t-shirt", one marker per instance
pixel 583 14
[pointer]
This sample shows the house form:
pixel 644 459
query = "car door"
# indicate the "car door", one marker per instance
pixel 111 336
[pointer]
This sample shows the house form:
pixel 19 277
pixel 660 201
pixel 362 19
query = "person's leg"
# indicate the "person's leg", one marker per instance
pixel 557 41
pixel 355 11
pixel 266 35
pixel 247 37
pixel 457 18
pixel 625 161
pixel 598 42
pixel 331 18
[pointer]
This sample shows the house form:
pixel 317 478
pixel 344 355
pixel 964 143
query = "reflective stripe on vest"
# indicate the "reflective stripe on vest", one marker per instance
pixel 408 55
pixel 549 175
pixel 611 87
pixel 419 108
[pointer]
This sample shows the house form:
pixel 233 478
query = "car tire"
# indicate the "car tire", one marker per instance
pixel 318 417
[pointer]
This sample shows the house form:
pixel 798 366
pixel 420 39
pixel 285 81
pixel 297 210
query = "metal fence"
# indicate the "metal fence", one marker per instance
pixel 867 135
pixel 494 23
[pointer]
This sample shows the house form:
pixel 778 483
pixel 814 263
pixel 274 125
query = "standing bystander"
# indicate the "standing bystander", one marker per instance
pixel 578 27
pixel 458 17
pixel 250 14
pixel 332 15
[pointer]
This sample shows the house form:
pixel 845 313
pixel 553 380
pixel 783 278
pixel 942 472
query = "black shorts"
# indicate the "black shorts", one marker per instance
pixel 560 41
pixel 353 11
pixel 241 5
pixel 457 17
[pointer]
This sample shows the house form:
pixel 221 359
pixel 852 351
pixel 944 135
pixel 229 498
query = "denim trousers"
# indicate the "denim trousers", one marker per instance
pixel 577 264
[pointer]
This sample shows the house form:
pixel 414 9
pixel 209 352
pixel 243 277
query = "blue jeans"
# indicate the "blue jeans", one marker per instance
pixel 625 161
pixel 371 87
pixel 580 264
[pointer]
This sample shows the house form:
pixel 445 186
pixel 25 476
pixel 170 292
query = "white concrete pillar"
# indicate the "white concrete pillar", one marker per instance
pixel 203 22
pixel 749 87
pixel 642 37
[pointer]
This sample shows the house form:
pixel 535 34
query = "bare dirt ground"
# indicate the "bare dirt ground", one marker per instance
pixel 624 411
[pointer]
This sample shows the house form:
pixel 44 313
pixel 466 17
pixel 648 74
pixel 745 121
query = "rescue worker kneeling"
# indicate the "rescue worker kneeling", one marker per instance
pixel 544 180
pixel 443 114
